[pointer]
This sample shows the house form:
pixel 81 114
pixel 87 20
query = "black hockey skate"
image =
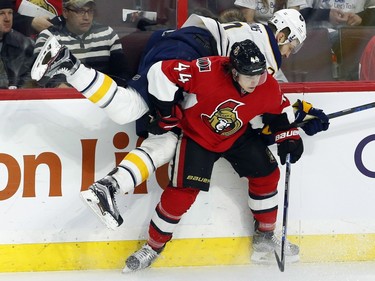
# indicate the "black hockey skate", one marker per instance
pixel 100 197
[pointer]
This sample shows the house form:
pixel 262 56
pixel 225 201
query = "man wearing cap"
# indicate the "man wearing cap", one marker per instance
pixel 16 55
pixel 96 45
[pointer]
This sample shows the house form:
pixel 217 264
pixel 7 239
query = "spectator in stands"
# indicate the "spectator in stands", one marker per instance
pixel 52 6
pixel 332 15
pixel 204 12
pixel 16 56
pixel 30 25
pixel 367 62
pixel 96 45
pixel 262 10
pixel 230 15
pixel 364 18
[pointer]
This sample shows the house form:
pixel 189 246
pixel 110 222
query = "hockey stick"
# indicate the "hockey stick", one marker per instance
pixel 344 112
pixel 281 260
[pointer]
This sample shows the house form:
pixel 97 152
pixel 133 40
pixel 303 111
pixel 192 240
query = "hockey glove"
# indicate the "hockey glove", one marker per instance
pixel 289 141
pixel 266 135
pixel 163 124
pixel 319 121
pixel 273 123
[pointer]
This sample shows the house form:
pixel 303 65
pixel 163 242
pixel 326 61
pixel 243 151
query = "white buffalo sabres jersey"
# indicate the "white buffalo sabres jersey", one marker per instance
pixel 226 34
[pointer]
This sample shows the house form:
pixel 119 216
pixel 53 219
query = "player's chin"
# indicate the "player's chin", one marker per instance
pixel 250 90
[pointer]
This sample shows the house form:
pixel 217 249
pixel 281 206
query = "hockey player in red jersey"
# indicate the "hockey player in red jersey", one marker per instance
pixel 200 37
pixel 225 103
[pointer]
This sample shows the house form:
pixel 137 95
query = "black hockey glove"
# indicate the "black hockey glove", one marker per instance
pixel 266 135
pixel 289 141
pixel 163 124
pixel 319 121
pixel 286 136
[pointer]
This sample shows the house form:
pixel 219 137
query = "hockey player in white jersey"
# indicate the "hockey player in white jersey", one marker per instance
pixel 284 35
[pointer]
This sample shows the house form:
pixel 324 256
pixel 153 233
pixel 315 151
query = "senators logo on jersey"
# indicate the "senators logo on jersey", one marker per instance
pixel 224 120
pixel 52 6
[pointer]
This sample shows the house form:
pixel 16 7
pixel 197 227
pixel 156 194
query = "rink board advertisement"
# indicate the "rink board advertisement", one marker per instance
pixel 54 148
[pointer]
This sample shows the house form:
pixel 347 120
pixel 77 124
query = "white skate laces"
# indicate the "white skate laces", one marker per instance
pixel 100 197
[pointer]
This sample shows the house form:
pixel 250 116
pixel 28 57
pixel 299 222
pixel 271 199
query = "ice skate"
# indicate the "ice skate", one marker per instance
pixel 53 59
pixel 100 197
pixel 141 259
pixel 264 245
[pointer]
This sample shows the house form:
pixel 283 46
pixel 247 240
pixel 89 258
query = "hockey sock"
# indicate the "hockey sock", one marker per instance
pixel 94 85
pixel 134 169
pixel 82 78
pixel 263 200
pixel 173 204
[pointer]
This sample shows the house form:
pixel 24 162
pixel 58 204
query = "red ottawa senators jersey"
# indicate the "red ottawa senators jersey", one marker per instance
pixel 53 6
pixel 215 114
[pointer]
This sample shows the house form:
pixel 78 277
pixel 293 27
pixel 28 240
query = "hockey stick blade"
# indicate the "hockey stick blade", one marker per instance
pixel 344 112
pixel 281 260
pixel 280 263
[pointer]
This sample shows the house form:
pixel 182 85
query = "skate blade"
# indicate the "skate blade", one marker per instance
pixel 127 270
pixel 50 48
pixel 90 198
pixel 269 258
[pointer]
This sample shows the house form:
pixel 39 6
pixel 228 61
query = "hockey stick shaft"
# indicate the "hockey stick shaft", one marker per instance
pixel 281 260
pixel 344 112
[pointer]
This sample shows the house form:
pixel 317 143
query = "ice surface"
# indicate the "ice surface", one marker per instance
pixel 358 271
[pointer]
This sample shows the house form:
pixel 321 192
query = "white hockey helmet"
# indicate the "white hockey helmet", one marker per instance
pixel 292 19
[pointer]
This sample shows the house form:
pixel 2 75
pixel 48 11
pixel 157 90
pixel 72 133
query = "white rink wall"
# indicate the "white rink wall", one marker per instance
pixel 332 187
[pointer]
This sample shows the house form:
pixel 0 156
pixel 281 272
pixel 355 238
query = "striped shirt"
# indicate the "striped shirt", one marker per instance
pixel 99 48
